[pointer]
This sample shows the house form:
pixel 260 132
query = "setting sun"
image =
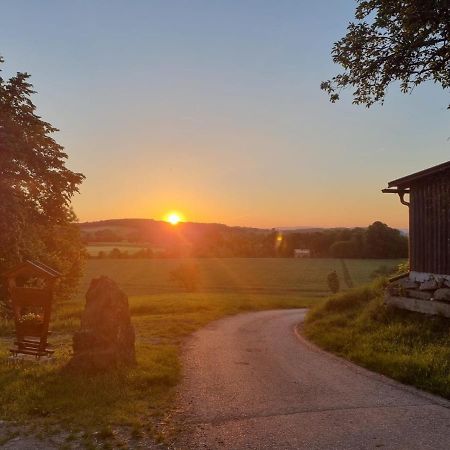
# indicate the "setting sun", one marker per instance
pixel 174 218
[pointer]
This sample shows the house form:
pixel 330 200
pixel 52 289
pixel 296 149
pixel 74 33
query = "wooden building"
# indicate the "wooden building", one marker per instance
pixel 429 231
pixel 429 218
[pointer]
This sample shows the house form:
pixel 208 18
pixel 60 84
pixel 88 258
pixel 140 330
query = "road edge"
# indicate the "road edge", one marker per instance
pixel 433 398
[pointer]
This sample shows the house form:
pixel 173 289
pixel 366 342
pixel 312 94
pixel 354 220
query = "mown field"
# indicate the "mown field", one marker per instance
pixel 264 275
pixel 48 398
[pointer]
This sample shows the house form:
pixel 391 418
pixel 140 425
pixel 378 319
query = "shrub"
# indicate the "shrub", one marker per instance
pixel 333 282
pixel 115 253
pixel 186 276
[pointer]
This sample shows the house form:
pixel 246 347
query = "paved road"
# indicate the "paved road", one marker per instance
pixel 251 383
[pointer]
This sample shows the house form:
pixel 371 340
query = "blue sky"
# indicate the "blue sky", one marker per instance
pixel 213 108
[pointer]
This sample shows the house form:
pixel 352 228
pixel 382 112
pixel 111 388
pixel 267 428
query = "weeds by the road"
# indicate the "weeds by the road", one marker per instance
pixel 409 347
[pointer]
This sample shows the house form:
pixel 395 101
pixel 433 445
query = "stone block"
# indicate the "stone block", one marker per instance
pixel 442 295
pixel 407 283
pixel 421 295
pixel 430 285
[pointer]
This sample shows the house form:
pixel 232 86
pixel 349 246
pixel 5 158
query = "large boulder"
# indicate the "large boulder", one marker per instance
pixel 106 338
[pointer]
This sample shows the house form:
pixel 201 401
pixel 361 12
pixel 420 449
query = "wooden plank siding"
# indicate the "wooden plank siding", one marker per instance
pixel 429 224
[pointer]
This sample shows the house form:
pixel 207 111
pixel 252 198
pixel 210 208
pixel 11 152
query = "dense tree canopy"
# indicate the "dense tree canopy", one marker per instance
pixel 36 220
pixel 376 241
pixel 404 41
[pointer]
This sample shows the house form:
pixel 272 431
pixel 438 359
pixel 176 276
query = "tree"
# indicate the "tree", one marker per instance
pixel 36 219
pixel 115 253
pixel 385 242
pixel 404 41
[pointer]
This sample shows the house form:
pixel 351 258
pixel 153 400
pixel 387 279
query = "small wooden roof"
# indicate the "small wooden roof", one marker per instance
pixel 33 267
pixel 406 181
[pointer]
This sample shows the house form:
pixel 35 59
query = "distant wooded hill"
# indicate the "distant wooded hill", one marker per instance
pixel 217 240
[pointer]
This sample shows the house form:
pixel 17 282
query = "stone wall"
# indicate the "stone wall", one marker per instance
pixel 433 288
pixel 428 294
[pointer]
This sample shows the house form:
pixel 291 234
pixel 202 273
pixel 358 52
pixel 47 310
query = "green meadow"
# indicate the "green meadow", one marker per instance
pixel 163 316
pixel 263 275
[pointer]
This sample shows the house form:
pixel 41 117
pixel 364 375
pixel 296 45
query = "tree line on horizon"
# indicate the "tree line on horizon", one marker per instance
pixel 376 241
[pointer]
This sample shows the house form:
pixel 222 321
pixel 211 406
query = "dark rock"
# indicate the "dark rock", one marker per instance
pixel 421 295
pixel 430 285
pixel 106 338
pixel 442 295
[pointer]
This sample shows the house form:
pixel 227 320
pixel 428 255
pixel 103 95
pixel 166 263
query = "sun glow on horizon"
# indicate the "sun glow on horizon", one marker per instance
pixel 174 218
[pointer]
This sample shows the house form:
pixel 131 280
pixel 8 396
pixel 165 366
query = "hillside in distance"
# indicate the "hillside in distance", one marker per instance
pixel 185 238
pixel 153 231
pixel 159 231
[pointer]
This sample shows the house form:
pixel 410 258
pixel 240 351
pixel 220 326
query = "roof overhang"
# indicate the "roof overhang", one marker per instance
pixel 405 182
pixel 401 186
pixel 35 266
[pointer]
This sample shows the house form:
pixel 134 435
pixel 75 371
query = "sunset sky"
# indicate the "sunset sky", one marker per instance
pixel 213 108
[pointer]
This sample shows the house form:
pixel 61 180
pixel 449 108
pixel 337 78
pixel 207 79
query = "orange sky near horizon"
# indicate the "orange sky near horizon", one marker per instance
pixel 316 210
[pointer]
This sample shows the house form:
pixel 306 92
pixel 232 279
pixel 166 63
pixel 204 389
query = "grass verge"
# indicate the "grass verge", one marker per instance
pixel 409 347
pixel 47 396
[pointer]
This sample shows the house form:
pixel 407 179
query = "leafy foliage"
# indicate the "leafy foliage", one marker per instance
pixel 404 41
pixel 376 241
pixel 36 220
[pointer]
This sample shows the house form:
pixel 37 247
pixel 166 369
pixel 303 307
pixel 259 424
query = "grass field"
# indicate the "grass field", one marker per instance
pixel 163 315
pixel 410 347
pixel 263 275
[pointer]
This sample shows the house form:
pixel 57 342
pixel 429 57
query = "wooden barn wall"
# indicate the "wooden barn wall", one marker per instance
pixel 430 225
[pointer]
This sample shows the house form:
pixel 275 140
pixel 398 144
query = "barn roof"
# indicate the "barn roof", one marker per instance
pixel 406 181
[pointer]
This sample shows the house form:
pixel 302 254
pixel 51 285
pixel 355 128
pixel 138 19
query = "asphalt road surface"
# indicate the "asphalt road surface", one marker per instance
pixel 252 383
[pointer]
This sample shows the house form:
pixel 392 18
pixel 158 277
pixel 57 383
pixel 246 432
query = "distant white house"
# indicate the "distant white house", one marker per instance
pixel 302 253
